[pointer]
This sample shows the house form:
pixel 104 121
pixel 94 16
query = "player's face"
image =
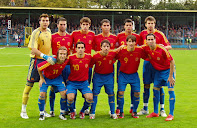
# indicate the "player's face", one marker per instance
pixel 105 48
pixel 128 27
pixel 150 25
pixel 62 55
pixel 131 43
pixel 85 26
pixel 62 26
pixel 44 22
pixel 106 27
pixel 151 41
pixel 80 49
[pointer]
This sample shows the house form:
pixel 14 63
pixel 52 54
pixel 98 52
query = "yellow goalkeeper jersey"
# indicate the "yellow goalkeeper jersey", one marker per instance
pixel 41 41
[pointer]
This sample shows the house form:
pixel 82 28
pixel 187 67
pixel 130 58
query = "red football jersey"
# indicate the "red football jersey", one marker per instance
pixel 103 64
pixel 99 38
pixel 130 60
pixel 86 38
pixel 159 36
pixel 159 57
pixel 121 38
pixel 58 41
pixel 51 71
pixel 79 67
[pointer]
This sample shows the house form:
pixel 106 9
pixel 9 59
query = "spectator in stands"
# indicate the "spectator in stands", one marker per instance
pixel 178 36
pixel 19 41
pixel 12 2
pixel 25 3
pixel 15 36
pixel 4 32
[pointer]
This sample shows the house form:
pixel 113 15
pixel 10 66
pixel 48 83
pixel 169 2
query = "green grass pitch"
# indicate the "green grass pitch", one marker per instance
pixel 13 71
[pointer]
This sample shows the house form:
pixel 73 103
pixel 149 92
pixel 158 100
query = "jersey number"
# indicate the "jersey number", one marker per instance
pixel 99 62
pixel 122 43
pixel 55 71
pixel 126 59
pixel 58 44
pixel 76 67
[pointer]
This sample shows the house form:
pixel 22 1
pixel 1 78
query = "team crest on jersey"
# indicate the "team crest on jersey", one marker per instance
pixel 158 58
pixel 136 59
pixel 131 54
pixel 80 61
pixel 104 58
pixel 68 43
pixel 60 66
pixel 84 37
pixel 112 44
pixel 90 41
pixel 152 53
pixel 86 65
pixel 110 61
pixel 63 39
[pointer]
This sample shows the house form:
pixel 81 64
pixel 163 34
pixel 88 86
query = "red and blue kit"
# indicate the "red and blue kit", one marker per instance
pixel 99 38
pixel 58 41
pixel 103 64
pixel 159 57
pixel 86 38
pixel 121 38
pixel 103 76
pixel 159 36
pixel 79 67
pixel 51 71
pixel 130 60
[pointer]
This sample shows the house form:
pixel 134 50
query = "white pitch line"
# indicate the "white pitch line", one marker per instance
pixel 2 66
pixel 2 48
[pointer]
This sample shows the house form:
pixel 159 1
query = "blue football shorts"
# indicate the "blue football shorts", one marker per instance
pixel 132 79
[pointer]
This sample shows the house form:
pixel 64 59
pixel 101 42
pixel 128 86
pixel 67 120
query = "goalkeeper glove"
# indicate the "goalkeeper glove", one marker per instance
pixel 49 59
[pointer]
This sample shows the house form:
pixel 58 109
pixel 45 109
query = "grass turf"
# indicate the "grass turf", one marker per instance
pixel 13 71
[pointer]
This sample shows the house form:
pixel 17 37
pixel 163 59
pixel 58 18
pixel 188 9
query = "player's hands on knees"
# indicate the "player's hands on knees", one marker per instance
pixel 42 80
pixel 172 81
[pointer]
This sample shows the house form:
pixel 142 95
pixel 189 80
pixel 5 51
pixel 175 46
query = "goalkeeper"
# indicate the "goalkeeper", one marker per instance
pixel 40 44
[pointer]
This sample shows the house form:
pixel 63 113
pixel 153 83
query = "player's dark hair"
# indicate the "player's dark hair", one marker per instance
pixel 85 19
pixel 128 21
pixel 105 41
pixel 150 34
pixel 61 19
pixel 43 15
pixel 150 18
pixel 61 48
pixel 80 42
pixel 132 37
pixel 105 21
